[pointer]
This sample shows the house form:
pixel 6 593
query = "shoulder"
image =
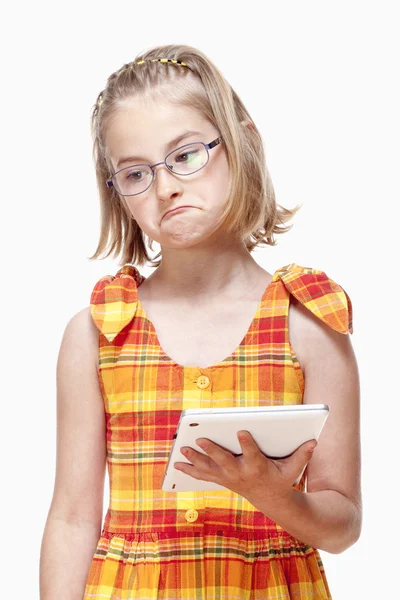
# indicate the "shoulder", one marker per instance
pixel 320 314
pixel 81 338
pixel 319 294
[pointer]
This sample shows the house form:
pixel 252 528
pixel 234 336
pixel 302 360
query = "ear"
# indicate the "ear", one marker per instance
pixel 249 124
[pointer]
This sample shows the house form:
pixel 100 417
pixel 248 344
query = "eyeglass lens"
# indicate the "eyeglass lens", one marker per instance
pixel 184 161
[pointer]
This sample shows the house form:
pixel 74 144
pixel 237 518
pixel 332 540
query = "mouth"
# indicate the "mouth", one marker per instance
pixel 175 210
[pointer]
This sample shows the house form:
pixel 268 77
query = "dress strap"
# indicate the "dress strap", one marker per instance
pixel 113 301
pixel 326 299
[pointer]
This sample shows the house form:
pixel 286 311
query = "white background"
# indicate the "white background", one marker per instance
pixel 320 81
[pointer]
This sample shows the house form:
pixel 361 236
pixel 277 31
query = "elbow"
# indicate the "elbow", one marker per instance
pixel 339 546
pixel 347 537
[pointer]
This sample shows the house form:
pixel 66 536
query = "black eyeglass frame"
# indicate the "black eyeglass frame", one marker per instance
pixel 110 183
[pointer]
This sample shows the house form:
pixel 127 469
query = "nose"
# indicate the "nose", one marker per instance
pixel 167 184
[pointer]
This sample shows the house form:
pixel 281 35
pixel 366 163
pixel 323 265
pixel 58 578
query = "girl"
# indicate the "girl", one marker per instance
pixel 180 161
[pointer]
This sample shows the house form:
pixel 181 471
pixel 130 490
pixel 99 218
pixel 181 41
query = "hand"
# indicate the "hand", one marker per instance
pixel 252 475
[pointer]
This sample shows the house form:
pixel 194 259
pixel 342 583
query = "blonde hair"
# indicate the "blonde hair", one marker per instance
pixel 251 212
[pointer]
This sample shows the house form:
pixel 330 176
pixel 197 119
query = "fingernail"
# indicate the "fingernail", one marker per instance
pixel 312 448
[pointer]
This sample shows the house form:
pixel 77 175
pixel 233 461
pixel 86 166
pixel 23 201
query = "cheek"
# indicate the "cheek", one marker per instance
pixel 138 210
pixel 220 177
pixel 128 207
pixel 149 221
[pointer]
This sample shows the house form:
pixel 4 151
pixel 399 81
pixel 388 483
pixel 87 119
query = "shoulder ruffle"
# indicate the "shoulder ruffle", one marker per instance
pixel 321 295
pixel 113 300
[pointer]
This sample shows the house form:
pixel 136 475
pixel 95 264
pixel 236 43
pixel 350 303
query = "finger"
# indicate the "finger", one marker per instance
pixel 193 471
pixel 248 445
pixel 198 459
pixel 221 457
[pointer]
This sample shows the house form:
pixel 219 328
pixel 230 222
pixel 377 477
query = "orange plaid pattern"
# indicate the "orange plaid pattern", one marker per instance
pixel 208 544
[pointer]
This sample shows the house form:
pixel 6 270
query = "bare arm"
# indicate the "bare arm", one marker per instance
pixel 73 524
pixel 66 553
pixel 329 515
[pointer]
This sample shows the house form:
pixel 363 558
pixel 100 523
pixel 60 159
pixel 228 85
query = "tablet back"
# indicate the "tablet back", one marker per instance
pixel 277 430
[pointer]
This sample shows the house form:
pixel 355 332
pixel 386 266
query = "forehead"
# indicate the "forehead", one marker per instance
pixel 145 128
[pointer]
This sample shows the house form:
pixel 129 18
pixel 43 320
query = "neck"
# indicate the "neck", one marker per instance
pixel 203 271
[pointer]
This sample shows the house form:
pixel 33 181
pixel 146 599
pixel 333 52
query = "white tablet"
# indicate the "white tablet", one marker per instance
pixel 277 430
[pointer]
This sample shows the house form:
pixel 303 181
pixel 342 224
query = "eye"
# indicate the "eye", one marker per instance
pixel 186 156
pixel 135 175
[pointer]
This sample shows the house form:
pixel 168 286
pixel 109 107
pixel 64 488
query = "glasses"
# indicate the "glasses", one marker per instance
pixel 185 160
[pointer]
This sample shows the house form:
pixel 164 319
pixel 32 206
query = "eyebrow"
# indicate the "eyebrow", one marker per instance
pixel 168 146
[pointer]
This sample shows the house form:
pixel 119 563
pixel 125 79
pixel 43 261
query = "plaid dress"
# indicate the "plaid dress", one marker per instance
pixel 196 545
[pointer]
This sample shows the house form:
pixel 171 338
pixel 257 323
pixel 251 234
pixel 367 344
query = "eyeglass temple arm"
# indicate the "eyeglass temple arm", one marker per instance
pixel 214 143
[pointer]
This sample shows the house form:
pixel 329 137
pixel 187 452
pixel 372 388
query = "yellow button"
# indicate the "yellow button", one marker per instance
pixel 191 515
pixel 203 382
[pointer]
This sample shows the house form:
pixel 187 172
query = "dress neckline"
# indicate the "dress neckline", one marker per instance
pixel 228 358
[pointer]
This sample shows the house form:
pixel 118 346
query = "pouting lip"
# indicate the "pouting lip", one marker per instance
pixel 175 208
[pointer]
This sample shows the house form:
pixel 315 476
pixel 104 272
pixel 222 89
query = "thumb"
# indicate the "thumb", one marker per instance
pixel 303 454
pixel 307 449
